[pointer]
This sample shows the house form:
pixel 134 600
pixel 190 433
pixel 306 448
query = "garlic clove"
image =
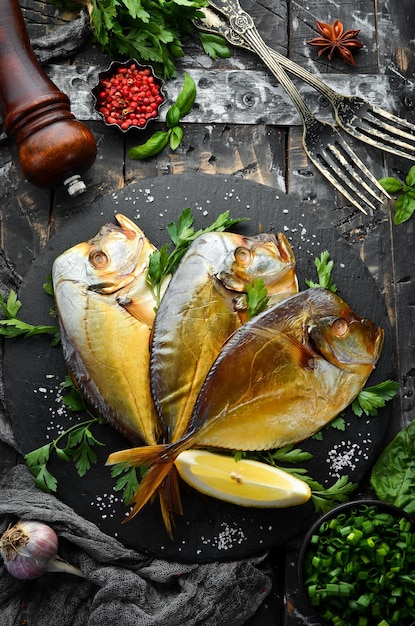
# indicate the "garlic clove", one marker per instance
pixel 30 548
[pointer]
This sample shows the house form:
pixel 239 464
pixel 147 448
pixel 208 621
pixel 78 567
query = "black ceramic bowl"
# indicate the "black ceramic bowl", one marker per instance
pixel 328 548
pixel 128 95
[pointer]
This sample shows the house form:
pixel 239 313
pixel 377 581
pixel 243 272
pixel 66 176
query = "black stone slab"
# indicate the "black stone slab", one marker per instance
pixel 209 529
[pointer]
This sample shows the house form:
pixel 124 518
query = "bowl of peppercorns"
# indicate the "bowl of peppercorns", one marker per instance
pixel 128 95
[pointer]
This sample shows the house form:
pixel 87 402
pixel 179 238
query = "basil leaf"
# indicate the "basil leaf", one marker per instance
pixel 390 184
pixel 186 98
pixel 176 137
pixel 173 116
pixel 404 207
pixel 393 475
pixel 155 144
pixel 410 179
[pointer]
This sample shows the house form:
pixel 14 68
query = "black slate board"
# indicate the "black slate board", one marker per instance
pixel 209 529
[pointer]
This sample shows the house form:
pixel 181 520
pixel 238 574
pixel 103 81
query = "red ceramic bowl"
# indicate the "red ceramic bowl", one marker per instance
pixel 128 95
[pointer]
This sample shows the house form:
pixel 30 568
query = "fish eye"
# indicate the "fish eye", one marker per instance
pixel 98 259
pixel 242 256
pixel 340 327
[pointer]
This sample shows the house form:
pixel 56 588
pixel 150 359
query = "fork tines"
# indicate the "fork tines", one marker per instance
pixel 386 132
pixel 349 175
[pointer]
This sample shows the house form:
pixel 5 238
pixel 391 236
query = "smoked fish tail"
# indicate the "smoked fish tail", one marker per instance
pixel 170 500
pixel 160 477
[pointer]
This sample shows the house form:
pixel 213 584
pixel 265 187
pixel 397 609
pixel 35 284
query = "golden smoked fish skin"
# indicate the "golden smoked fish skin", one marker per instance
pixel 106 313
pixel 286 374
pixel 279 379
pixel 202 307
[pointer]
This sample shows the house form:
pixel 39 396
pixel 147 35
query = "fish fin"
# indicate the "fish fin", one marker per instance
pixel 149 484
pixel 137 309
pixel 161 477
pixel 299 352
pixel 170 500
pixel 136 457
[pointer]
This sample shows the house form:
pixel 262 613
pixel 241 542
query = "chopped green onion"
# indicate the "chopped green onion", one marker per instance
pixel 359 569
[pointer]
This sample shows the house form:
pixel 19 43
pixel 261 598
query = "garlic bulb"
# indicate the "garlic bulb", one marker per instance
pixel 30 548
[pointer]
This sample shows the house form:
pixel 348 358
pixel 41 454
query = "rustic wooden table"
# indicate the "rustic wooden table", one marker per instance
pixel 245 127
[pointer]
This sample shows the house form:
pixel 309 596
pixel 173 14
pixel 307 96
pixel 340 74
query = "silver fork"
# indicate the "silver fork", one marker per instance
pixel 358 117
pixel 324 146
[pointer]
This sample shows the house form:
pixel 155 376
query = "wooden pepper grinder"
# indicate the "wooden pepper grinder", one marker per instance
pixel 54 148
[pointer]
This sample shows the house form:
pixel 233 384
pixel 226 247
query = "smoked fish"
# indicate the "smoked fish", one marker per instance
pixel 279 379
pixel 203 305
pixel 106 313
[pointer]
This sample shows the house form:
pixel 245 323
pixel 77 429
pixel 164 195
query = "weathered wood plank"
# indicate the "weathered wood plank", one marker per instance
pixel 383 246
pixel 255 152
pixel 231 96
pixel 396 24
pixel 354 14
pixel 24 212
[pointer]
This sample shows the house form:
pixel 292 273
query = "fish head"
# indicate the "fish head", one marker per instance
pixel 265 257
pixel 346 340
pixel 109 261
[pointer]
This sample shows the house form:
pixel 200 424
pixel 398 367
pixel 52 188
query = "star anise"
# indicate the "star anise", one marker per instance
pixel 334 39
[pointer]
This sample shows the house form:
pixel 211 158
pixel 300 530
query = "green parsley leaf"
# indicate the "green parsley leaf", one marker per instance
pixel 214 45
pixel 78 449
pixel 150 30
pixel 48 285
pixel 12 326
pixel 44 480
pixel 257 296
pixel 288 454
pixel 127 480
pixel 73 400
pixel 162 262
pixel 324 266
pixel 373 398
pixel 325 498
pixel 338 423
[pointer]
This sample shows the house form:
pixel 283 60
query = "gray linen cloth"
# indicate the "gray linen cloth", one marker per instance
pixel 121 586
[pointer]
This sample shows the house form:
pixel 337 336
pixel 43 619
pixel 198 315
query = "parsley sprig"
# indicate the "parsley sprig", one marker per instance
pixel 370 399
pixel 75 444
pixel 13 326
pixel 164 262
pixel 127 481
pixel 324 266
pixel 323 498
pixel 150 30
pixel 257 296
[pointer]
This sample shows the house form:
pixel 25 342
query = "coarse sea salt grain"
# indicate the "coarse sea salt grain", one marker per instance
pixel 345 455
pixel 106 504
pixel 228 536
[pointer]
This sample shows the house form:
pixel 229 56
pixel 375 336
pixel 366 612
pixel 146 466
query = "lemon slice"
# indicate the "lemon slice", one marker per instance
pixel 246 483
